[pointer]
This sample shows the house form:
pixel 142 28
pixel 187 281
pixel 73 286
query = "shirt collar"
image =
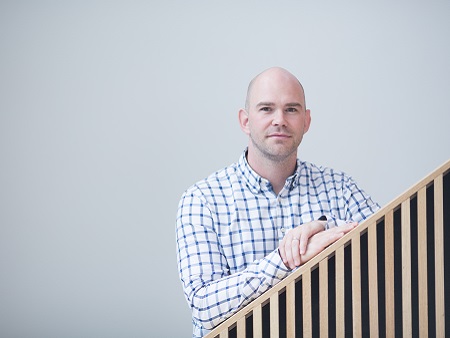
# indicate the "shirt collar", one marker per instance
pixel 256 183
pixel 248 175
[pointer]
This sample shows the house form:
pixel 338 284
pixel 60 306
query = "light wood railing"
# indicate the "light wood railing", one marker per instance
pixel 389 277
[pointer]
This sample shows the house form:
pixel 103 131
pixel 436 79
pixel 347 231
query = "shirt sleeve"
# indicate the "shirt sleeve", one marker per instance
pixel 213 293
pixel 359 205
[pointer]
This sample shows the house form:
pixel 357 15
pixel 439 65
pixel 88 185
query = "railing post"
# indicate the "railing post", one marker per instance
pixel 422 260
pixel 406 269
pixel 389 273
pixel 356 286
pixel 241 327
pixel 340 293
pixel 274 316
pixel 373 279
pixel 323 294
pixel 439 255
pixel 290 310
pixel 307 318
pixel 257 321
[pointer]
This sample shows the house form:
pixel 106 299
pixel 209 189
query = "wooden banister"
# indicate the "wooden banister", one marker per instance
pixel 386 278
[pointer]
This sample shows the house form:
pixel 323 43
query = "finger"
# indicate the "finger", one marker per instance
pixel 285 252
pixel 282 251
pixel 323 225
pixel 335 237
pixel 345 228
pixel 289 252
pixel 295 249
pixel 329 239
pixel 352 225
pixel 304 237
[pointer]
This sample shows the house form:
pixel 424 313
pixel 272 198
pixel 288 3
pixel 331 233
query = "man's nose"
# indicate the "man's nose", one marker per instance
pixel 278 118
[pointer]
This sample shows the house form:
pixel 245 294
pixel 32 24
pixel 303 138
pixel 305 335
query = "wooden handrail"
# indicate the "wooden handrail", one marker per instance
pixel 384 278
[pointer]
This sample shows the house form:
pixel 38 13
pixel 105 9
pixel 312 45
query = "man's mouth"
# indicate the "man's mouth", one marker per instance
pixel 279 135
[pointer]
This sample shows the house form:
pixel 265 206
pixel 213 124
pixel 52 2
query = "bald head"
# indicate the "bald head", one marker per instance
pixel 274 76
pixel 275 120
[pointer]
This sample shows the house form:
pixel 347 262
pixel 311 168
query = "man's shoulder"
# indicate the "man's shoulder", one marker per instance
pixel 216 182
pixel 314 171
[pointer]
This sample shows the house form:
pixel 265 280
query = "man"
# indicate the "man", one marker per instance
pixel 244 228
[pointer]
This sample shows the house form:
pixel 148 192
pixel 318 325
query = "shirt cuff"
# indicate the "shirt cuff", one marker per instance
pixel 274 270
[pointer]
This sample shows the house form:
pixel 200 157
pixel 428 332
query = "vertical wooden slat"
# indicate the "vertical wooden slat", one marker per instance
pixel 422 261
pixel 257 321
pixel 356 286
pixel 340 293
pixel 307 317
pixel 439 255
pixel 241 327
pixel 406 268
pixel 224 333
pixel 323 298
pixel 290 310
pixel 274 316
pixel 389 273
pixel 373 279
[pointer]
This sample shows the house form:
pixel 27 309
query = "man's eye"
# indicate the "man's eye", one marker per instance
pixel 265 109
pixel 291 110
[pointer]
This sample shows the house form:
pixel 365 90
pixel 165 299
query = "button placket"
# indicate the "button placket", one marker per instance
pixel 280 222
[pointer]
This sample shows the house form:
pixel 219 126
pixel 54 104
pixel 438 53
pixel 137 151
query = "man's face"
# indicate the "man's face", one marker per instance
pixel 276 116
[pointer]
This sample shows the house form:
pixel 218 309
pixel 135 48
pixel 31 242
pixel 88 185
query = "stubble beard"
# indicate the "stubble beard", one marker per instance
pixel 273 153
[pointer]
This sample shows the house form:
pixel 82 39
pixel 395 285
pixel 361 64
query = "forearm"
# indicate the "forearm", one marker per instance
pixel 214 289
pixel 214 300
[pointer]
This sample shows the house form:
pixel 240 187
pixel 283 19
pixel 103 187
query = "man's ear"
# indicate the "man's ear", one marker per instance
pixel 307 120
pixel 243 121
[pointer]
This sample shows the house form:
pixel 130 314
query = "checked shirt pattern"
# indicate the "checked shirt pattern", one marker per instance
pixel 229 227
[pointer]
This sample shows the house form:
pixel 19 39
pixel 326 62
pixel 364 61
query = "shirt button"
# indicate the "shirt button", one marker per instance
pixel 283 230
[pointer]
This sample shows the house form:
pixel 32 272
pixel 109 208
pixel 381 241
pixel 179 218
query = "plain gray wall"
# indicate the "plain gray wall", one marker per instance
pixel 110 110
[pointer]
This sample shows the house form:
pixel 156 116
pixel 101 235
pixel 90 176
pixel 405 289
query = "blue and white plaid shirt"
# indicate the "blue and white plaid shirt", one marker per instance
pixel 229 227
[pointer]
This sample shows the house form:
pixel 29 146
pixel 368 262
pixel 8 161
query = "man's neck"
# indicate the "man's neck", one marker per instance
pixel 276 172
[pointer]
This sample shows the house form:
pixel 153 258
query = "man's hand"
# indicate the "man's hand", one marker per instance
pixel 295 242
pixel 304 242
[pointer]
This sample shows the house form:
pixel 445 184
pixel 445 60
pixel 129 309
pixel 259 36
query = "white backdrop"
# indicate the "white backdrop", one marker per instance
pixel 110 110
